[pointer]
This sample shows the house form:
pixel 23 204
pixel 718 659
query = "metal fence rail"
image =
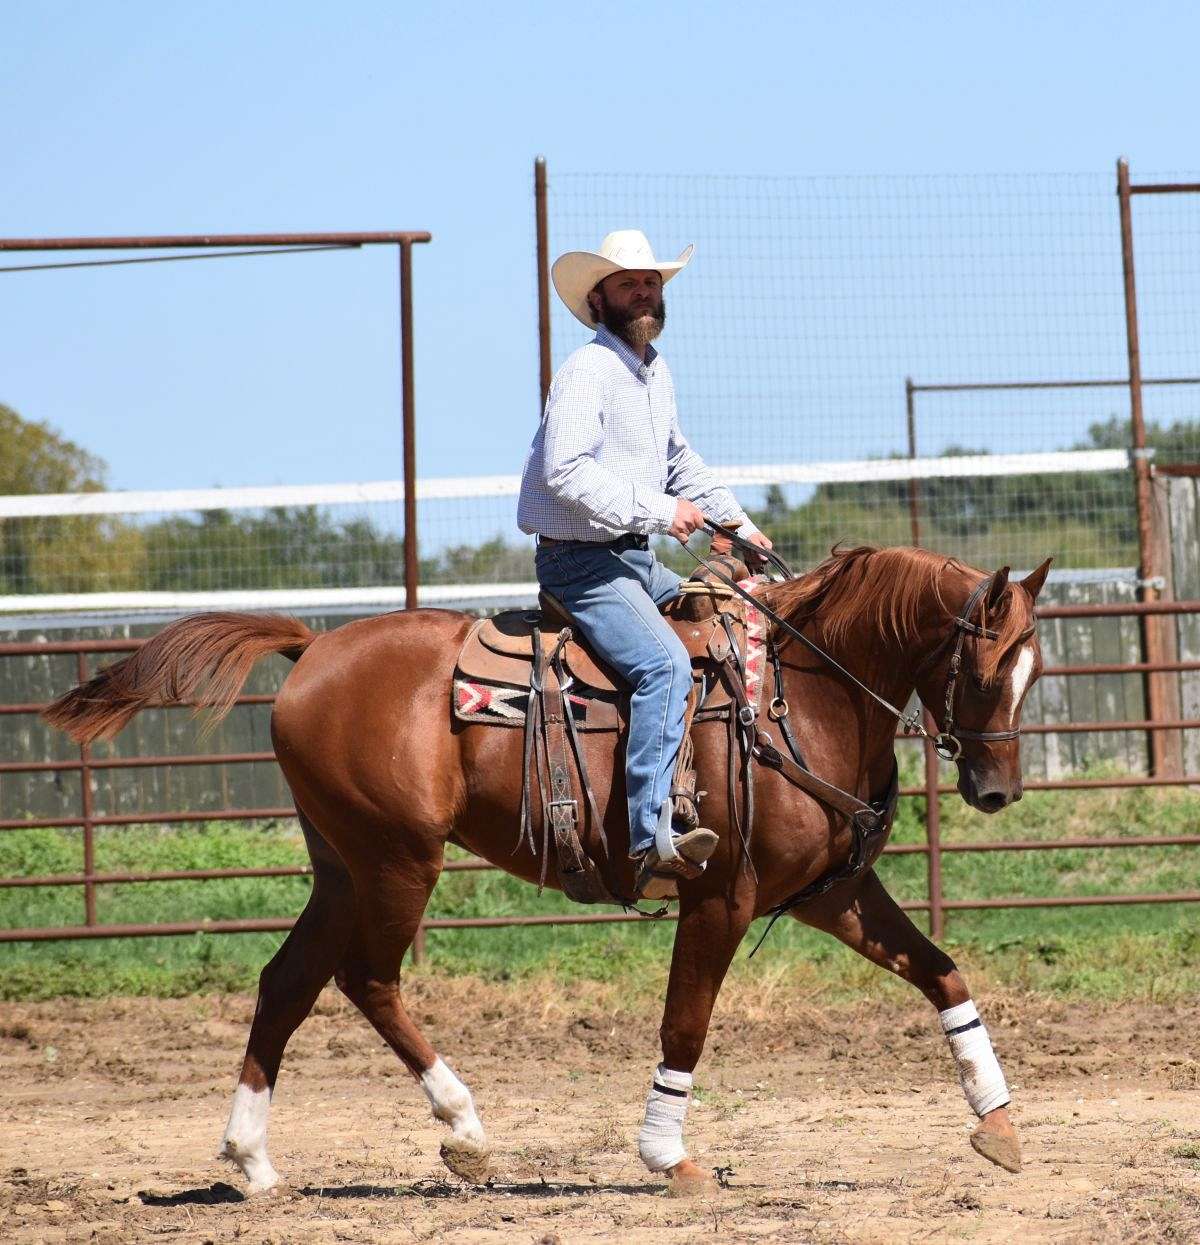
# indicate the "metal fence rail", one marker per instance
pixel 936 903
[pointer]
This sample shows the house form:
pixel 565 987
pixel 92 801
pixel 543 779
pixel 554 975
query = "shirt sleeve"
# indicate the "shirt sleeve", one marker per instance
pixel 573 432
pixel 688 475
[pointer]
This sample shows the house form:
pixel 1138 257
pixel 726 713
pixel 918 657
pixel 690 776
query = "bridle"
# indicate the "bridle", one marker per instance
pixel 949 740
pixel 948 743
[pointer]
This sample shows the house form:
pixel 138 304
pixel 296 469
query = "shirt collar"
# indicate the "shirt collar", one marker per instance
pixel 621 348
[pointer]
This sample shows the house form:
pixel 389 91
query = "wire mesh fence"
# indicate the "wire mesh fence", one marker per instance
pixel 812 302
pixel 827 329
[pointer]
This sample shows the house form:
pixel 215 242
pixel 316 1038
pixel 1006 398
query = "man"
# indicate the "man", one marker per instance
pixel 609 467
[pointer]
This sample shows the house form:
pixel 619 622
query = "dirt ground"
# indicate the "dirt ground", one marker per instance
pixel 831 1124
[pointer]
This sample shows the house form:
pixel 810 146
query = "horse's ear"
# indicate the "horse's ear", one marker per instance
pixel 998 588
pixel 1035 580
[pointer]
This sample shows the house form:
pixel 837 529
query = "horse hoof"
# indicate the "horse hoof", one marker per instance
pixel 468 1160
pixel 253 1163
pixel 1003 1149
pixel 686 1179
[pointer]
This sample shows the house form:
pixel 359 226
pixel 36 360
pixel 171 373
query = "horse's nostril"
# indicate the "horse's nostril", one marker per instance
pixel 993 802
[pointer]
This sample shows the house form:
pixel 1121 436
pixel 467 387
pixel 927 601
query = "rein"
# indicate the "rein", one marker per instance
pixel 947 742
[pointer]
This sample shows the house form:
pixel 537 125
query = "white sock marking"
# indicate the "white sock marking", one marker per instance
pixel 451 1102
pixel 245 1141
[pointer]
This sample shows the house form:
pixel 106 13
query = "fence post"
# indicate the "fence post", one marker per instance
pixel 1169 685
pixel 1147 565
pixel 410 431
pixel 543 279
pixel 87 810
pixel 933 834
pixel 914 487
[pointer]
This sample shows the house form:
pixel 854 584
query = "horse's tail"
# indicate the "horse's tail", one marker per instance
pixel 202 660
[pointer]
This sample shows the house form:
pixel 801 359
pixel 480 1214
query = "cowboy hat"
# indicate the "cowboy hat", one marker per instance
pixel 577 272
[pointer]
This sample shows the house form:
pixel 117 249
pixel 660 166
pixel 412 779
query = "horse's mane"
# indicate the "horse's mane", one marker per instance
pixel 888 589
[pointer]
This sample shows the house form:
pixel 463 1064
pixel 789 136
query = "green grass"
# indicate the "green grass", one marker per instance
pixel 1105 953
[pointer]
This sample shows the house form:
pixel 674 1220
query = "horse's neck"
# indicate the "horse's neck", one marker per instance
pixel 886 665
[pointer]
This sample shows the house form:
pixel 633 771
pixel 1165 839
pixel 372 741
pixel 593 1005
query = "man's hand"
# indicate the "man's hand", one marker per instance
pixel 689 518
pixel 761 542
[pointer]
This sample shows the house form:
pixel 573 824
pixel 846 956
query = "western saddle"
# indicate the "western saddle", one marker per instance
pixel 529 669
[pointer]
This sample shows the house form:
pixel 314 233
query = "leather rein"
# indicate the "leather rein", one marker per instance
pixel 948 741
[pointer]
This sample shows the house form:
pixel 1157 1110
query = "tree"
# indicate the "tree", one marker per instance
pixel 76 553
pixel 36 459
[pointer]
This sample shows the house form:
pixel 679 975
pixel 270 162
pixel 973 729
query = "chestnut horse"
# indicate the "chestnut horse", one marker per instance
pixel 383 779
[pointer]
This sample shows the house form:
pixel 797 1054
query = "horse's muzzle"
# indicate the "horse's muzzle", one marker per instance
pixel 988 791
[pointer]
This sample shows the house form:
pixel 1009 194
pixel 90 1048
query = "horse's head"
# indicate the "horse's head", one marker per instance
pixel 975 681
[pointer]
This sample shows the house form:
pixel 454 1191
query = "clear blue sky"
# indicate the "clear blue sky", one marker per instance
pixel 219 117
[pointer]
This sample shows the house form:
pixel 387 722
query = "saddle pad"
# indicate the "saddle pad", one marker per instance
pixel 499 704
pixel 492 688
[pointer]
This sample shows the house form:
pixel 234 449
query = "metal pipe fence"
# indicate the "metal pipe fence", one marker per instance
pixel 936 903
pixel 240 246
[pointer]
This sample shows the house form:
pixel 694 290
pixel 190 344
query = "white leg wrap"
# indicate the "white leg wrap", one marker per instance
pixel 245 1141
pixel 451 1102
pixel 660 1142
pixel 978 1068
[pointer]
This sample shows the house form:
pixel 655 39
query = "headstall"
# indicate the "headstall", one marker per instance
pixel 948 743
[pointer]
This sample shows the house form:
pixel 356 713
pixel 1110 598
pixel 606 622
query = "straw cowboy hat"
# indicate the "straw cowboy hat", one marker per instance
pixel 577 272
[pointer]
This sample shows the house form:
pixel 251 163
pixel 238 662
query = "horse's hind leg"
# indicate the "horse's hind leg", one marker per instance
pixel 874 925
pixel 287 989
pixel 392 903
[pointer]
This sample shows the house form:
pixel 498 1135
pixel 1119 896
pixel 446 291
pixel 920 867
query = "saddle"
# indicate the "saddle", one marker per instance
pixel 529 670
pixel 500 650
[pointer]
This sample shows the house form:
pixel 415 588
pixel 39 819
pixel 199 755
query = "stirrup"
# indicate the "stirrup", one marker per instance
pixel 686 865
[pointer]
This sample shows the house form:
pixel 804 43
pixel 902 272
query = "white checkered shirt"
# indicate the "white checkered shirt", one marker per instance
pixel 609 456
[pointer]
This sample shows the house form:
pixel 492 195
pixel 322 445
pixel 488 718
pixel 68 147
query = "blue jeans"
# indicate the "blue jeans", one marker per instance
pixel 614 597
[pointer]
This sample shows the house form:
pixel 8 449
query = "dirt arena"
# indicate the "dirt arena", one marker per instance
pixel 831 1124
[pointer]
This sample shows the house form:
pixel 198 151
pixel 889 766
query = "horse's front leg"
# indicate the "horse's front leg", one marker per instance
pixel 708 935
pixel 873 924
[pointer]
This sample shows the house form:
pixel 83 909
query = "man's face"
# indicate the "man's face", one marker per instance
pixel 631 305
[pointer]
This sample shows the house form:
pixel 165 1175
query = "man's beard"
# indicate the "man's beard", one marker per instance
pixel 638 328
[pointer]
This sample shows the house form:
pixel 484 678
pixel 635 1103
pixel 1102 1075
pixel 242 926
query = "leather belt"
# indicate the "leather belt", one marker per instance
pixel 629 541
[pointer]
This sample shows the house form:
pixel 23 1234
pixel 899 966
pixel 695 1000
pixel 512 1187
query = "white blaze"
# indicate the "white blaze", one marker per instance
pixel 451 1102
pixel 1020 681
pixel 245 1141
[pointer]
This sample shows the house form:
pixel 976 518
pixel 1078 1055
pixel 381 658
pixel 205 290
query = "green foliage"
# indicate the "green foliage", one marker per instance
pixel 494 561
pixel 36 459
pixel 1084 520
pixel 287 547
